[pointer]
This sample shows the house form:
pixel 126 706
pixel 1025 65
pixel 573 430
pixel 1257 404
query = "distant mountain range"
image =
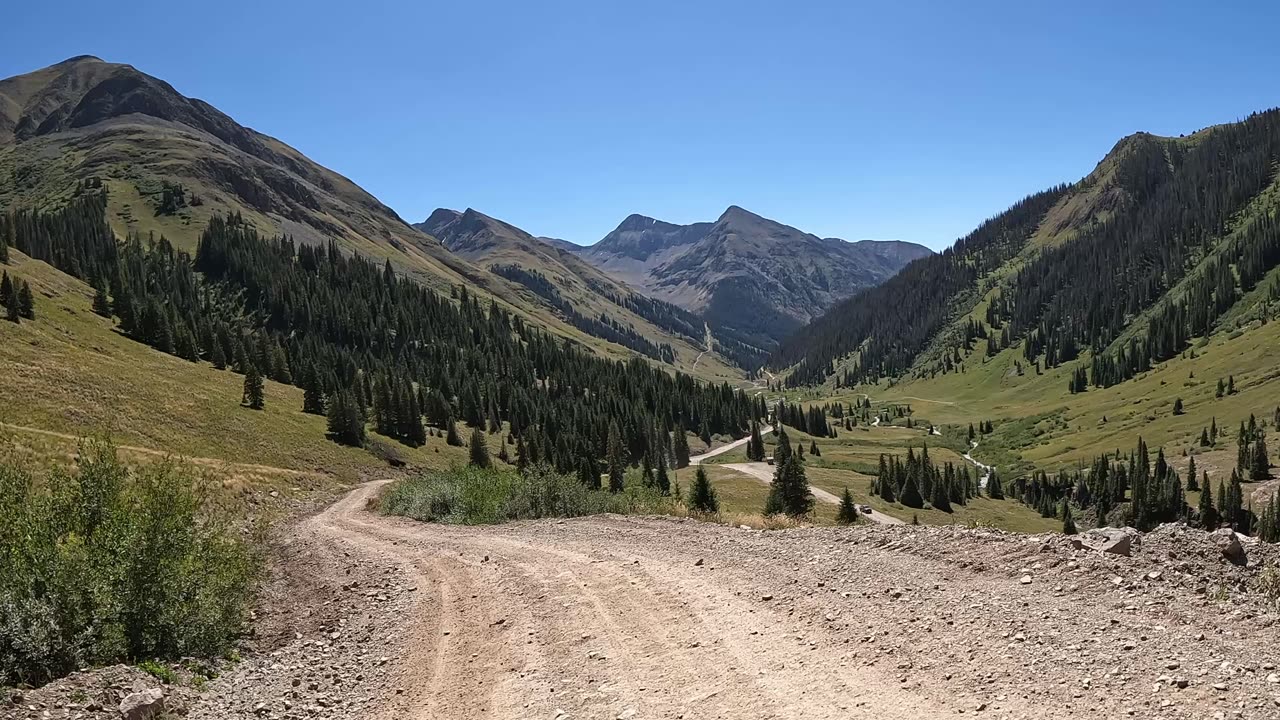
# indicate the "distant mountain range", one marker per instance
pixel 754 279
pixel 169 163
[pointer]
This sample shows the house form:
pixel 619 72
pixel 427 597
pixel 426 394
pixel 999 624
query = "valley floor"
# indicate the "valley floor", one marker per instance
pixel 615 617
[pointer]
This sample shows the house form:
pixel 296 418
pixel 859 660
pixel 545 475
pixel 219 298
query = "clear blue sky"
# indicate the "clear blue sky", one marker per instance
pixel 909 120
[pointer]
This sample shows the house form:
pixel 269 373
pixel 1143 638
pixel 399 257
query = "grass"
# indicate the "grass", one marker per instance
pixel 70 374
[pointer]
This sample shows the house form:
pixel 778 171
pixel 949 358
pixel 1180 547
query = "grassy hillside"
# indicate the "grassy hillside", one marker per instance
pixel 70 374
pixel 170 163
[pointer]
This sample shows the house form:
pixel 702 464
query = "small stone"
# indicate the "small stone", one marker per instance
pixel 766 597
pixel 1026 580
pixel 698 563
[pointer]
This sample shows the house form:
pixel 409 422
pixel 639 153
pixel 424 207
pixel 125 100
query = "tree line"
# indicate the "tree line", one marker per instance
pixel 367 345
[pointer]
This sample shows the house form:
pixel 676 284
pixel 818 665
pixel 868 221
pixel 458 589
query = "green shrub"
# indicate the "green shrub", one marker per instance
pixel 477 496
pixel 105 564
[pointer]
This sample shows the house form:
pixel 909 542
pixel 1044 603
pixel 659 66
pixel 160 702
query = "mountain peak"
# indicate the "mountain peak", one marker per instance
pixel 78 59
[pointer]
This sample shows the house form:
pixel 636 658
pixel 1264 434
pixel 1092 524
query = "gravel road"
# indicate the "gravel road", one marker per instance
pixel 617 617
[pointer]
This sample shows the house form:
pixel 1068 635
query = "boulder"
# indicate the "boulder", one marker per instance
pixel 1116 541
pixel 142 705
pixel 1229 545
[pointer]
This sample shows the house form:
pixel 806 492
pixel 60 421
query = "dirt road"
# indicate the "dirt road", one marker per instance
pixel 764 473
pixel 615 617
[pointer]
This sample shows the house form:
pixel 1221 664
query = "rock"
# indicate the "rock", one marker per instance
pixel 766 598
pixel 1026 580
pixel 1273 679
pixel 1115 541
pixel 1229 545
pixel 698 563
pixel 142 705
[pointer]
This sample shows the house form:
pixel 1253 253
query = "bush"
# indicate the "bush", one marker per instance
pixel 477 496
pixel 105 565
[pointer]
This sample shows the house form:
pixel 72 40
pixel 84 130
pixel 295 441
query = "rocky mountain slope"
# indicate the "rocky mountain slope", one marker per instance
pixel 754 278
pixel 584 296
pixel 169 163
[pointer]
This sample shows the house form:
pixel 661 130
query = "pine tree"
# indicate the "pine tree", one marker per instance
pixel 911 493
pixel 312 395
pixel 101 305
pixel 813 449
pixel 1192 484
pixel 1177 406
pixel 1260 466
pixel 680 444
pixel 1232 503
pixel 790 492
pixel 451 432
pixel 663 481
pixel 217 357
pixel 346 420
pixel 253 397
pixel 6 288
pixel 26 303
pixel 940 495
pixel 1068 524
pixel 702 497
pixel 1208 516
pixel 616 457
pixel 479 450
pixel 848 512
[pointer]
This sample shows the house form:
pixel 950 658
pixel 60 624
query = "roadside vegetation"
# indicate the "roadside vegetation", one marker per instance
pixel 105 563
pixel 473 495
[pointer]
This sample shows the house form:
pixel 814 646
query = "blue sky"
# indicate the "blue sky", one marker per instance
pixel 903 120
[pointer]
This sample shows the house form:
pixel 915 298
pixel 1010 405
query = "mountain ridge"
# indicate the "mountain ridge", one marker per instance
pixel 785 276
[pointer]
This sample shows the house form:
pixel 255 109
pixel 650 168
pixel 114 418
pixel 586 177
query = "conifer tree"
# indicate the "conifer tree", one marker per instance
pixel 1260 466
pixel 346 419
pixel 1068 523
pixel 101 305
pixel 451 432
pixel 217 357
pixel 1192 480
pixel 848 512
pixel 940 496
pixel 616 458
pixel 680 444
pixel 1232 502
pixel 813 449
pixel 702 496
pixel 1208 516
pixel 479 450
pixel 26 302
pixel 312 395
pixel 6 288
pixel 911 493
pixel 663 481
pixel 253 397
pixel 790 492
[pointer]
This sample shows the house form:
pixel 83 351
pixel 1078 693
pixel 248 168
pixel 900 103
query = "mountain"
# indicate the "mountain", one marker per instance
pixel 582 295
pixel 752 278
pixel 1166 241
pixel 170 163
